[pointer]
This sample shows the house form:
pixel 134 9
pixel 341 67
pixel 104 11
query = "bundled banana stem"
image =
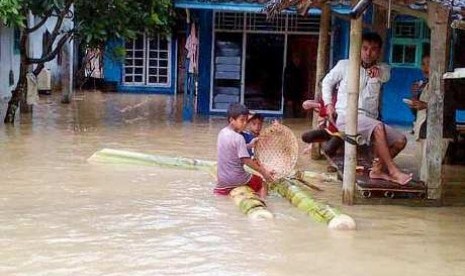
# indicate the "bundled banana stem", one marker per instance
pixel 128 157
pixel 301 199
pixel 249 203
pixel 244 197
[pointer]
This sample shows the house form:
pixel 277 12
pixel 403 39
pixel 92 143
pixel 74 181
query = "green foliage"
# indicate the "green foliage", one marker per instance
pixel 98 21
pixel 118 53
pixel 10 13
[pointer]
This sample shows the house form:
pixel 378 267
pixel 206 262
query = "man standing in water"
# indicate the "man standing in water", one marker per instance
pixel 386 141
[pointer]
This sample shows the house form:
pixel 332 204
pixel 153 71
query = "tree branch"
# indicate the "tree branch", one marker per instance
pixel 40 24
pixel 57 28
pixel 51 55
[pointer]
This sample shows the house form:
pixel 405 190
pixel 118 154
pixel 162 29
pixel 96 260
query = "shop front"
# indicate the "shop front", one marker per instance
pixel 250 55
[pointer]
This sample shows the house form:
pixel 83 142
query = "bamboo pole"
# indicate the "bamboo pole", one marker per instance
pixel 438 20
pixel 303 200
pixel 322 62
pixel 350 152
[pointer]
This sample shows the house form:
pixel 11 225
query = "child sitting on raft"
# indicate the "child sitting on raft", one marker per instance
pixel 233 155
pixel 253 128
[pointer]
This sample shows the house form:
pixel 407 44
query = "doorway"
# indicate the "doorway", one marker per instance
pixel 303 48
pixel 263 71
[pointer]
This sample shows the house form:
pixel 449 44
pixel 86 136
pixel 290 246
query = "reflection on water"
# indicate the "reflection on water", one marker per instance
pixel 60 215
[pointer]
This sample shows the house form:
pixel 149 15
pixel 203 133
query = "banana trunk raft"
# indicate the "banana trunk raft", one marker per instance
pixel 136 158
pixel 247 201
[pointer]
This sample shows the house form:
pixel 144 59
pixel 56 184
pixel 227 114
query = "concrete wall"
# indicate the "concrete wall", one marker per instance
pixel 37 47
pixel 10 58
pixel 9 61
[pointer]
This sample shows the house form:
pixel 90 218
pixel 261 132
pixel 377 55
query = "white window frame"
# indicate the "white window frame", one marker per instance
pixel 146 63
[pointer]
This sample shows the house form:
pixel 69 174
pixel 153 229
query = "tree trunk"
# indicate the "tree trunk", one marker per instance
pixel 67 73
pixel 19 93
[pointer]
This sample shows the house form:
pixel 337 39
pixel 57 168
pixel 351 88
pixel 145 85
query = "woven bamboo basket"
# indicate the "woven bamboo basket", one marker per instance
pixel 277 149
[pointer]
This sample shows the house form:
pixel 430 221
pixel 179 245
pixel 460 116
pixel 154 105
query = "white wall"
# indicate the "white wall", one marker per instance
pixel 8 61
pixel 36 47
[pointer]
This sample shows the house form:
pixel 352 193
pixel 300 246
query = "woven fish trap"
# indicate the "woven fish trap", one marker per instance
pixel 277 149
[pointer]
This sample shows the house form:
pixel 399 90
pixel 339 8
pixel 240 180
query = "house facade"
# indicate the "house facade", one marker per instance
pixel 243 57
pixel 9 60
pixel 10 56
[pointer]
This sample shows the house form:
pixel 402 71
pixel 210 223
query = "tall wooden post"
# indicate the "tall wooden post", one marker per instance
pixel 322 62
pixel 353 87
pixel 438 18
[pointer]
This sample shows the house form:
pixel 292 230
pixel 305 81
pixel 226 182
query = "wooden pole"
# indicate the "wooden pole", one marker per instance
pixel 322 62
pixel 25 108
pixel 353 86
pixel 379 24
pixel 438 20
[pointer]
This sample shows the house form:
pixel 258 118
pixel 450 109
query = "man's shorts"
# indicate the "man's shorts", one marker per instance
pixel 367 125
pixel 255 182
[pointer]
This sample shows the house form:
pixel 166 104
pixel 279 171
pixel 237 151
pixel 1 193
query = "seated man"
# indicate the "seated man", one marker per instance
pixel 385 141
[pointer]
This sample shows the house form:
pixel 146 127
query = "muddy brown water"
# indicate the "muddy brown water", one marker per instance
pixel 60 215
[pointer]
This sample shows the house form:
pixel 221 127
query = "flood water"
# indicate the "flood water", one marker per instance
pixel 60 215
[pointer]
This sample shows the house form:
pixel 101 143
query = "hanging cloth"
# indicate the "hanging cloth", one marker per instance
pixel 192 47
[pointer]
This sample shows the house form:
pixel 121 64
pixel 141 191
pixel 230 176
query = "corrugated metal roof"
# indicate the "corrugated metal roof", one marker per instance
pixel 458 6
pixel 228 5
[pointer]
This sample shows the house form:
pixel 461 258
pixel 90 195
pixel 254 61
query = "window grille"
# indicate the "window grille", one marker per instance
pixel 406 29
pixel 256 22
pixel 410 41
pixel 229 21
pixel 301 24
pixel 147 61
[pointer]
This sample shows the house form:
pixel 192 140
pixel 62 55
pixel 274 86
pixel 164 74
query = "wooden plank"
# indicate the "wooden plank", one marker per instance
pixel 438 17
pixel 374 188
pixel 453 173
pixel 353 86
pixel 399 7
pixel 322 63
pixel 401 202
pixel 455 186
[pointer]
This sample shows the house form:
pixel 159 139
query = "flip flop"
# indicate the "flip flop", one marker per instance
pixel 405 182
pixel 382 176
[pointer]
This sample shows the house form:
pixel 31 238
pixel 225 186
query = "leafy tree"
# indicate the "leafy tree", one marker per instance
pixel 9 12
pixel 95 22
